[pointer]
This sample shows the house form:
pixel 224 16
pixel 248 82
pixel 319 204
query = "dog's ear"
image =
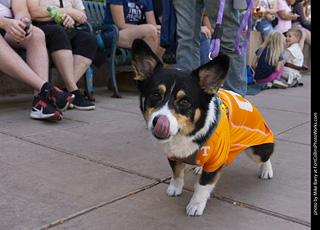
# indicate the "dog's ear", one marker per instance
pixel 212 74
pixel 144 61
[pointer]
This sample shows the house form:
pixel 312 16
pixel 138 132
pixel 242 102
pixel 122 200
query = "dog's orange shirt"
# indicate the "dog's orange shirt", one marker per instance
pixel 240 126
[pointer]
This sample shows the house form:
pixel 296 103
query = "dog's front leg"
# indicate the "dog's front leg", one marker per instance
pixel 202 190
pixel 177 181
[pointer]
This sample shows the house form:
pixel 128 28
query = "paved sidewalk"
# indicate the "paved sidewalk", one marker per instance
pixel 101 170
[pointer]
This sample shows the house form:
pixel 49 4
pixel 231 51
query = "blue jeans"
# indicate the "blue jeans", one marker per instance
pixel 204 49
pixel 107 38
pixel 189 18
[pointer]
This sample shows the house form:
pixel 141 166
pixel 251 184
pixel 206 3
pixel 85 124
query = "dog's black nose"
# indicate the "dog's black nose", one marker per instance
pixel 154 122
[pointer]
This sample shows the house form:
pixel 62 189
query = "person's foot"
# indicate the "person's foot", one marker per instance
pixel 60 99
pixel 44 110
pixel 80 102
pixel 279 84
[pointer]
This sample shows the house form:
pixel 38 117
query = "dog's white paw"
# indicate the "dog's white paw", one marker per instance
pixel 198 170
pixel 266 171
pixel 196 207
pixel 175 187
pixel 199 199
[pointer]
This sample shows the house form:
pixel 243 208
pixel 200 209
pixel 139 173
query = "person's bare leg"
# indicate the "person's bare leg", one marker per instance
pixel 160 50
pixel 80 66
pixel 308 37
pixel 302 39
pixel 63 60
pixel 305 39
pixel 37 55
pixel 12 65
pixel 147 32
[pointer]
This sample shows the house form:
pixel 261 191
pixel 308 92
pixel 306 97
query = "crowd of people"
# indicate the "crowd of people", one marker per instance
pixel 285 27
pixel 73 51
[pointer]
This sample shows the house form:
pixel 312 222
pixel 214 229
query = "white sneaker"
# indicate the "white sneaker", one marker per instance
pixel 279 84
pixel 269 84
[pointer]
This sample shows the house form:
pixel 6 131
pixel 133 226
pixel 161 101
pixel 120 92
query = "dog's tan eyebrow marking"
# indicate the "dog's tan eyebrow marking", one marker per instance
pixel 181 94
pixel 197 115
pixel 162 88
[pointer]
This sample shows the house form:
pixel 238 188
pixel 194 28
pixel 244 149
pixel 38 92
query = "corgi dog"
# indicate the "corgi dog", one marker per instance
pixel 197 123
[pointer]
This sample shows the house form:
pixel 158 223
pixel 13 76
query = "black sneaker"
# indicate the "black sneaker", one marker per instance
pixel 80 102
pixel 42 109
pixel 60 99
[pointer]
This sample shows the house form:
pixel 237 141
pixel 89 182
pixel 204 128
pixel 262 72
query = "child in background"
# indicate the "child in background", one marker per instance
pixel 292 58
pixel 268 60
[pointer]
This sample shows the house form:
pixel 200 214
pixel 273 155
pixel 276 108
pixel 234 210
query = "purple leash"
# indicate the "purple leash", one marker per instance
pixel 247 18
pixel 218 30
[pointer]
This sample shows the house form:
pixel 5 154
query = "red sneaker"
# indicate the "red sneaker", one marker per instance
pixel 59 98
pixel 44 110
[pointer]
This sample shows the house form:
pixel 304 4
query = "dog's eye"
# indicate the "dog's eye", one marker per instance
pixel 155 96
pixel 184 103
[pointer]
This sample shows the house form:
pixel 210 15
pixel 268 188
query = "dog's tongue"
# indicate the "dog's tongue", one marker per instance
pixel 162 128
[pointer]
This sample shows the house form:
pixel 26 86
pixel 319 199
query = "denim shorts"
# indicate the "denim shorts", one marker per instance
pixel 107 37
pixel 265 27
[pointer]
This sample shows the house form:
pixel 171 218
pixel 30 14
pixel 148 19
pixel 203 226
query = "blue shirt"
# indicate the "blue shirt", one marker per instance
pixel 264 70
pixel 132 12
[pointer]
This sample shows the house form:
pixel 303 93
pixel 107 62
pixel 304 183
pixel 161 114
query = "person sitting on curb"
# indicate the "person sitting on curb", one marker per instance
pixel 72 50
pixel 268 62
pixel 292 58
pixel 48 100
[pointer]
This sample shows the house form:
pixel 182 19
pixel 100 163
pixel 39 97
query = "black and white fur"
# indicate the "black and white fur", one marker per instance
pixel 187 100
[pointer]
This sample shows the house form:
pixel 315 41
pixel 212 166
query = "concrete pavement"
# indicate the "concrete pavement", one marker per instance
pixel 101 170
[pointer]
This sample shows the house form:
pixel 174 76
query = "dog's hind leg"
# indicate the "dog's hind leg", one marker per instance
pixel 177 180
pixel 261 154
